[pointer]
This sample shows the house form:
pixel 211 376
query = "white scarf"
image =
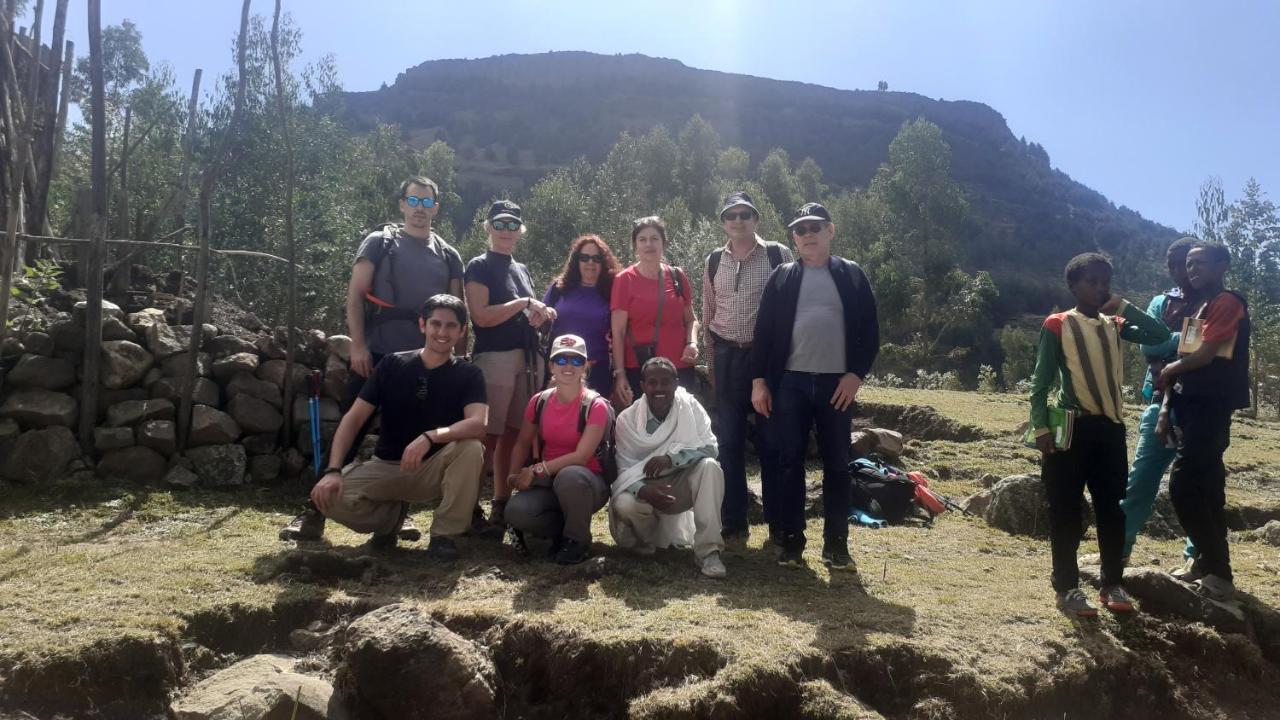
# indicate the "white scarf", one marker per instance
pixel 686 427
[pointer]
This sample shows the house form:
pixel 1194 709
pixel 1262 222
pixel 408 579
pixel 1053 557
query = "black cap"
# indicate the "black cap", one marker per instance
pixel 809 211
pixel 505 209
pixel 734 199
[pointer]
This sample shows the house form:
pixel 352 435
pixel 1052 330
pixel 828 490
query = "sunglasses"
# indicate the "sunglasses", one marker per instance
pixel 506 225
pixel 414 201
pixel 566 359
pixel 583 257
pixel 740 215
pixel 810 227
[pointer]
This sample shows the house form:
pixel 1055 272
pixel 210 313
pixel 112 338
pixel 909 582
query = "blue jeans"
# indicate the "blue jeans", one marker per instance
pixel 733 407
pixel 801 401
pixel 1150 460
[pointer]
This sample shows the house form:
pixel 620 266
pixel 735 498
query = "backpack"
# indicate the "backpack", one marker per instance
pixel 604 451
pixel 882 490
pixel 713 260
pixel 379 310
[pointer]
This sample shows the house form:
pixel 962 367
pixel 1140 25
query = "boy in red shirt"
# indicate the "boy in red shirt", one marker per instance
pixel 1203 388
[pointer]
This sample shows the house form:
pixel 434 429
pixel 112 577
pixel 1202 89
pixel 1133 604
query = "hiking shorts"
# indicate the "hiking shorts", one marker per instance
pixel 506 387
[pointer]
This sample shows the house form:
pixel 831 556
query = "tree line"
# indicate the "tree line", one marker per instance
pixel 911 227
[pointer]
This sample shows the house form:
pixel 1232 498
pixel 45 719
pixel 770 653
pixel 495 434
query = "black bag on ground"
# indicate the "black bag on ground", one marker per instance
pixel 881 490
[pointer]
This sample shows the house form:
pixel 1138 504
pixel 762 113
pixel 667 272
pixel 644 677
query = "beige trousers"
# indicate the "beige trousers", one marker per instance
pixel 699 487
pixel 373 491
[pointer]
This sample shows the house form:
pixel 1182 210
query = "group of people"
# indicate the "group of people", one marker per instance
pixel 578 397
pixel 601 415
pixel 1196 340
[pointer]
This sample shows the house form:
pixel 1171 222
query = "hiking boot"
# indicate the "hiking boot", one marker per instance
pixel 1116 599
pixel 383 542
pixel 442 549
pixel 1190 571
pixel 572 552
pixel 409 532
pixel 309 525
pixel 556 543
pixel 478 522
pixel 712 566
pixel 496 528
pixel 1216 587
pixel 792 554
pixel 1073 603
pixel 518 544
pixel 835 555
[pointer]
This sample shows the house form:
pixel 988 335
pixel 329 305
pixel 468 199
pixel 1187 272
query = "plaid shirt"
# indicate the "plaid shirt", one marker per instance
pixel 729 304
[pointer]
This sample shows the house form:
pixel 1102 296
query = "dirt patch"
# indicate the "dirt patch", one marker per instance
pixel 915 422
pixel 129 678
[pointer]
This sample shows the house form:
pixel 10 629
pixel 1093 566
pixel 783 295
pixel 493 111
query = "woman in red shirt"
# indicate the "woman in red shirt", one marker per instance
pixel 564 486
pixel 651 313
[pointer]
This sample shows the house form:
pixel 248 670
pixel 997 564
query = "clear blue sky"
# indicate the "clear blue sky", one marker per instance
pixel 1141 100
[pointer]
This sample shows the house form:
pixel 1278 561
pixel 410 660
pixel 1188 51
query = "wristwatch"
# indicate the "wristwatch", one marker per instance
pixel 331 470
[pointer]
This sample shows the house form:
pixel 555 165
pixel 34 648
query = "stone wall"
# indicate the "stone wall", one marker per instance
pixel 237 421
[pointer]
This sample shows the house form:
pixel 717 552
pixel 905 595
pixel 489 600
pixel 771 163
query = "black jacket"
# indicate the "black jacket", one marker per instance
pixel 777 315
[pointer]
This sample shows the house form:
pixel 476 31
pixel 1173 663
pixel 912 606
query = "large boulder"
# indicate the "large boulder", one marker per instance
pixel 176 365
pixel 38 343
pixel 336 378
pixel 977 503
pixel 263 687
pixel 170 388
pixel 40 455
pixel 226 368
pixel 67 335
pixel 254 415
pixel 267 346
pixel 1018 505
pixel 339 345
pixel 260 444
pixel 210 426
pixel 132 412
pixel 265 469
pixel 218 465
pixel 159 435
pixel 399 663
pixel 137 463
pixel 80 311
pixel 163 342
pixel 247 384
pixel 1270 533
pixel 142 321
pixel 226 345
pixel 113 328
pixel 124 363
pixel 180 477
pixel 37 408
pixel 40 371
pixel 273 372
pixel 329 410
pixel 1159 594
pixel 112 438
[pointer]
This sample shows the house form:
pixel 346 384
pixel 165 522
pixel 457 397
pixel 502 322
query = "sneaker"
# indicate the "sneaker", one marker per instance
pixel 1190 571
pixel 1073 603
pixel 572 552
pixel 1216 587
pixel 792 553
pixel 409 532
pixel 835 555
pixel 309 525
pixel 1116 599
pixel 712 566
pixel 442 549
pixel 518 544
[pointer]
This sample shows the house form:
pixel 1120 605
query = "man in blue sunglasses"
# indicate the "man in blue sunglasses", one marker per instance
pixel 396 269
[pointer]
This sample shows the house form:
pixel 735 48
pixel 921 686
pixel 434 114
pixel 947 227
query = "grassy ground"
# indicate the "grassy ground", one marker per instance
pixel 81 564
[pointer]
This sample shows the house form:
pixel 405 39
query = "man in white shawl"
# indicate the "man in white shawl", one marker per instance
pixel 669 485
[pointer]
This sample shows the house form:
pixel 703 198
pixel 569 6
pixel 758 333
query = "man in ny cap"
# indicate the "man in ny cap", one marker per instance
pixel 733 280
pixel 396 269
pixel 815 340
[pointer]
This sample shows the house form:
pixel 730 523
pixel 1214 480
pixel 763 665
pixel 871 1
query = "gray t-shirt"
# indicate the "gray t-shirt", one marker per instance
pixel 817 338
pixel 421 268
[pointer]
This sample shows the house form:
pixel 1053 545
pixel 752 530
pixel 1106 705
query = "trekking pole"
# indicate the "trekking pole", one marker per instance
pixel 313 407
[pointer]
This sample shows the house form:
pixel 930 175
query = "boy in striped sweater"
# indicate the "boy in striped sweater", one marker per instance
pixel 1080 349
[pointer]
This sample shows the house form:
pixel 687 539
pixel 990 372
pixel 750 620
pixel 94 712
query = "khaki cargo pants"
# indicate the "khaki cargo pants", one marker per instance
pixel 373 491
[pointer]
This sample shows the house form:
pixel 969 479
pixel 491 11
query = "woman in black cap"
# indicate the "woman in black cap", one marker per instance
pixel 506 316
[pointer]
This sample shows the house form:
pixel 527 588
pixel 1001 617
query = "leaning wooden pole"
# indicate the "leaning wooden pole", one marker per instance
pixel 10 246
pixel 290 250
pixel 93 313
pixel 51 88
pixel 207 181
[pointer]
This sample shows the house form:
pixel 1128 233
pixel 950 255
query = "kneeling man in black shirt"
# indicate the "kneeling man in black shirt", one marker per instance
pixel 433 419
